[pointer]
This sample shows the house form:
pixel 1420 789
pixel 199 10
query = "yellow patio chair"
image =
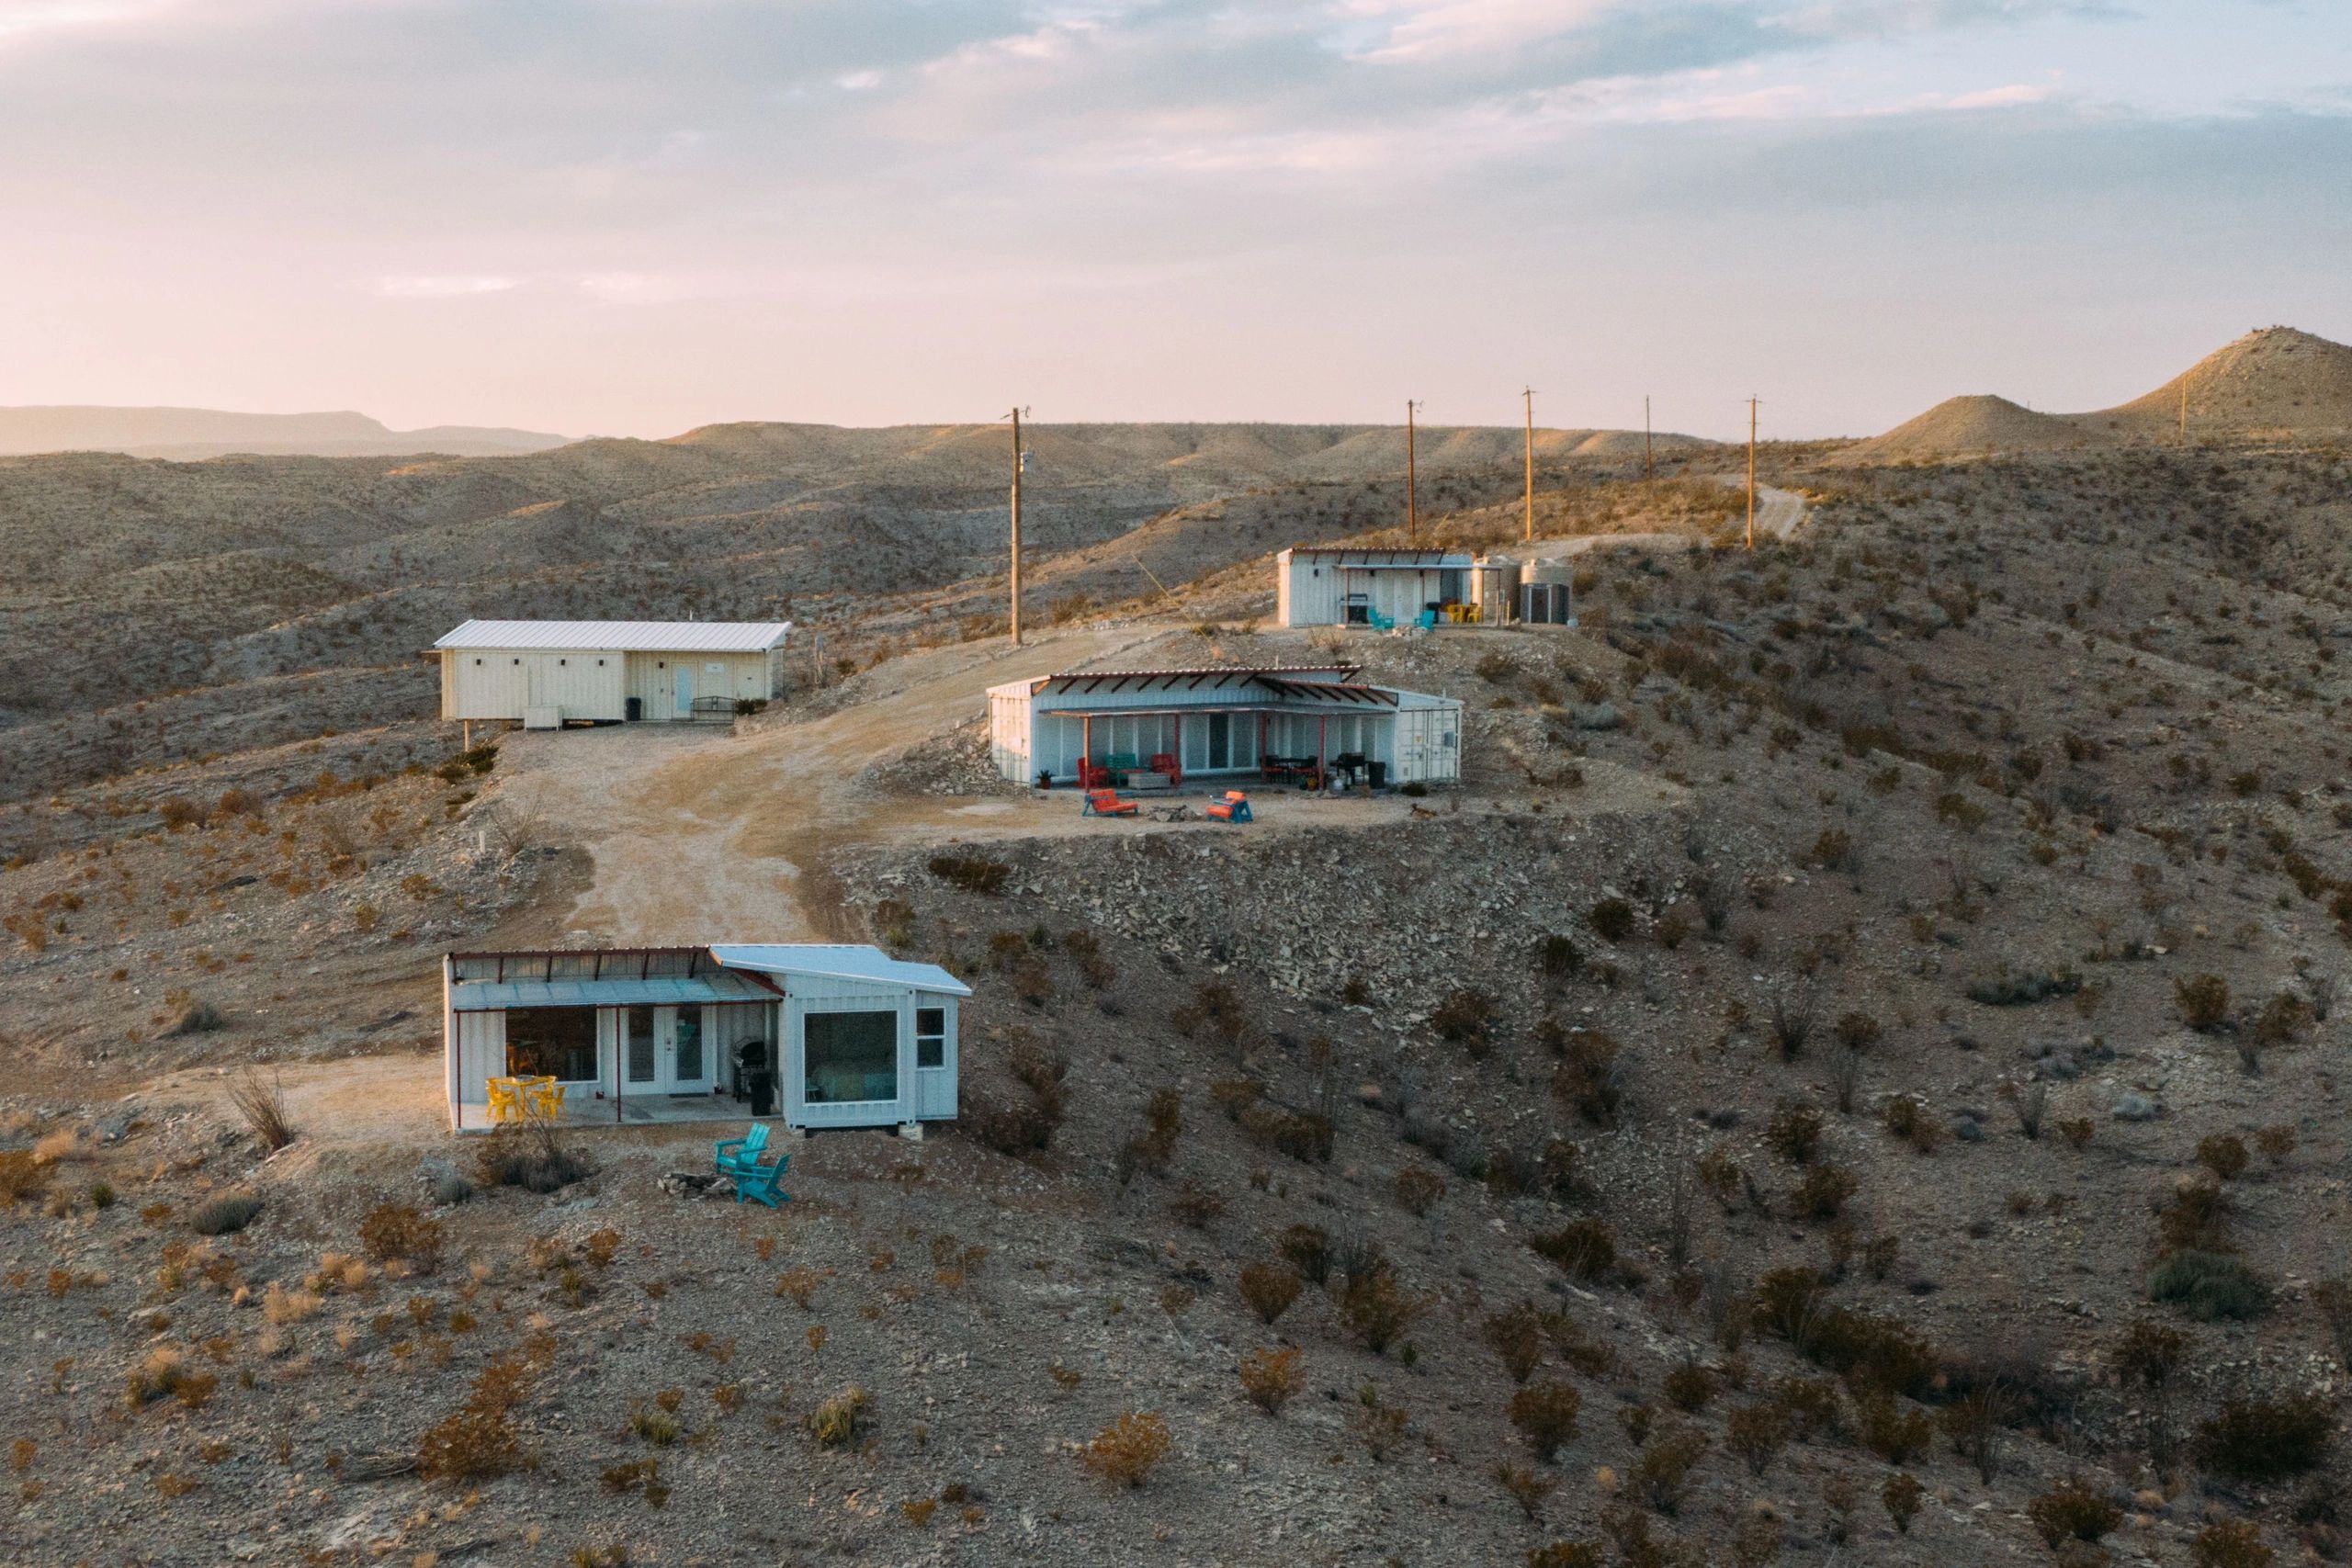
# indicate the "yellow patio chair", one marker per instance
pixel 546 1097
pixel 505 1100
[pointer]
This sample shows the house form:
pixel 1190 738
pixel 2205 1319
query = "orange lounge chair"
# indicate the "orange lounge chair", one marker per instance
pixel 1234 808
pixel 1106 803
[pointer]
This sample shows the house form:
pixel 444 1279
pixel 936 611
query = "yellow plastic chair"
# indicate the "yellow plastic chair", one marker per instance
pixel 505 1100
pixel 545 1097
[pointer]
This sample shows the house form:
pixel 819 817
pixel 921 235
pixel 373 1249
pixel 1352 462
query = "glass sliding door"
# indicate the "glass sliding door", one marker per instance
pixel 641 1062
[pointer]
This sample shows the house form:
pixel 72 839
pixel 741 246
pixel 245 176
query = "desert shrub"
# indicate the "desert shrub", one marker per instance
pixel 1902 1495
pixel 1590 1078
pixel 2073 1510
pixel 1857 1031
pixel 1375 1310
pixel 224 1216
pixel 1822 1194
pixel 199 1018
pixel 1660 1476
pixel 835 1422
pixel 2078 1132
pixel 1814 1406
pixel 1126 1451
pixel 1793 1019
pixel 1888 1429
pixel 1558 955
pixel 1307 1248
pixel 1516 1336
pixel 2203 1001
pixel 971 872
pixel 2224 1154
pixel 1565 1554
pixel 2261 1439
pixel 2282 1021
pixel 399 1233
pixel 2230 1544
pixel 1756 1432
pixel 1689 1387
pixel 533 1156
pixel 481 1438
pixel 1418 1189
pixel 21 1176
pixel 1546 1414
pixel 2209 1286
pixel 1467 1016
pixel 1163 1125
pixel 1794 1131
pixel 1196 1206
pixel 260 1101
pixel 1271 1379
pixel 449 1187
pixel 1611 919
pixel 1583 1249
pixel 2191 1218
pixel 1014 1126
pixel 1268 1289
pixel 2010 986
pixel 1304 1135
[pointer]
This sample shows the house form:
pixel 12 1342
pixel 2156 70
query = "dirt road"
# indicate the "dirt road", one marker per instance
pixel 1778 514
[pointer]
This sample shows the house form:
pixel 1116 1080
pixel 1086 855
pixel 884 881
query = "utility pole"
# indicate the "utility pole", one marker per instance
pixel 1649 464
pixel 1016 528
pixel 2184 411
pixel 1412 481
pixel 1529 395
pixel 1751 473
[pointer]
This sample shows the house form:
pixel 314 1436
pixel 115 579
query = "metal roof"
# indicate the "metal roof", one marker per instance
pixel 1339 693
pixel 1187 679
pixel 625 636
pixel 1388 560
pixel 838 961
pixel 660 990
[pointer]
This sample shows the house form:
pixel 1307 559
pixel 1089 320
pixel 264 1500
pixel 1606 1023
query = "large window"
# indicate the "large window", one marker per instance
pixel 849 1056
pixel 561 1041
pixel 931 1037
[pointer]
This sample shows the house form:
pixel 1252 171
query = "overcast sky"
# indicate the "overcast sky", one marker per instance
pixel 631 217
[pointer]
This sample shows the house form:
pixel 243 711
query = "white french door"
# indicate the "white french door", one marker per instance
pixel 664 1050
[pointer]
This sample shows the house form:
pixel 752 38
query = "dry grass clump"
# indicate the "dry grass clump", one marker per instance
pixel 1375 1310
pixel 532 1157
pixel 164 1374
pixel 972 873
pixel 1126 1451
pixel 400 1233
pixel 260 1101
pixel 2256 1438
pixel 282 1306
pixel 2073 1510
pixel 480 1439
pixel 1271 1379
pixel 21 1176
pixel 1584 1249
pixel 835 1422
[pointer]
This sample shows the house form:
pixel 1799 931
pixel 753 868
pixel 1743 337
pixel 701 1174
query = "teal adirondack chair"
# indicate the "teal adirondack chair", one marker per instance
pixel 739 1160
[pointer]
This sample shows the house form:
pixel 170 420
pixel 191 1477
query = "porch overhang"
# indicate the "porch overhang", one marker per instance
pixel 658 990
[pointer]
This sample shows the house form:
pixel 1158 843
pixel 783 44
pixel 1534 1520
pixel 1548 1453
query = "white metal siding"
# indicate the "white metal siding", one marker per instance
pixel 583 684
pixel 652 679
pixel 1010 742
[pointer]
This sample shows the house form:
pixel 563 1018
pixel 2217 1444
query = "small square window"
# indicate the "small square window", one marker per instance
pixel 476 662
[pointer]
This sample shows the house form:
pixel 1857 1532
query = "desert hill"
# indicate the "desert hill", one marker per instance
pixel 2275 384
pixel 186 434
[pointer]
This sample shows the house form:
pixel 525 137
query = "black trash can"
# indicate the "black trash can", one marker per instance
pixel 1376 774
pixel 760 1084
pixel 634 709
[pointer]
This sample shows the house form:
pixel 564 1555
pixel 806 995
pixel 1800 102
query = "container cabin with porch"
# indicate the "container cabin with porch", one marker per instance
pixel 1386 588
pixel 545 674
pixel 1222 722
pixel 838 1036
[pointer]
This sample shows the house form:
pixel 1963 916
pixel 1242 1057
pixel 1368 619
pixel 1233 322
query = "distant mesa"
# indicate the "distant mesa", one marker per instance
pixel 188 434
pixel 2277 384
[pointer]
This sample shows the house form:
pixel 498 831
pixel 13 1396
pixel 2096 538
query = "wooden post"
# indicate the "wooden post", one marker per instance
pixel 1086 752
pixel 1016 528
pixel 1751 473
pixel 465 733
pixel 1649 464
pixel 1412 481
pixel 1529 395
pixel 1322 748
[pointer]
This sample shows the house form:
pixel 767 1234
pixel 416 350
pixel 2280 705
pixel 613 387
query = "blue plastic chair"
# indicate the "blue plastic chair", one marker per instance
pixel 1379 622
pixel 759 1183
pixel 1426 620
pixel 747 1151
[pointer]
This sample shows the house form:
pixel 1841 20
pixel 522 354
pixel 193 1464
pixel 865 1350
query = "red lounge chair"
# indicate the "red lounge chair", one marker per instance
pixel 1234 808
pixel 1106 803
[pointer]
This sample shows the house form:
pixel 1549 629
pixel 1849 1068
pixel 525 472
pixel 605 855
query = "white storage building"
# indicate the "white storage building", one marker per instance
pixel 851 1036
pixel 548 673
pixel 1221 721
pixel 1316 587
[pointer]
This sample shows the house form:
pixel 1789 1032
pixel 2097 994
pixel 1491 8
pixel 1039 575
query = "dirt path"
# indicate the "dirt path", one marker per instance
pixel 1779 513
pixel 698 838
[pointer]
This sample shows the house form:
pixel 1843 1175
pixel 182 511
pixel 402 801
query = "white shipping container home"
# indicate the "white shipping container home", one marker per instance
pixel 1392 588
pixel 847 1035
pixel 547 673
pixel 1221 722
